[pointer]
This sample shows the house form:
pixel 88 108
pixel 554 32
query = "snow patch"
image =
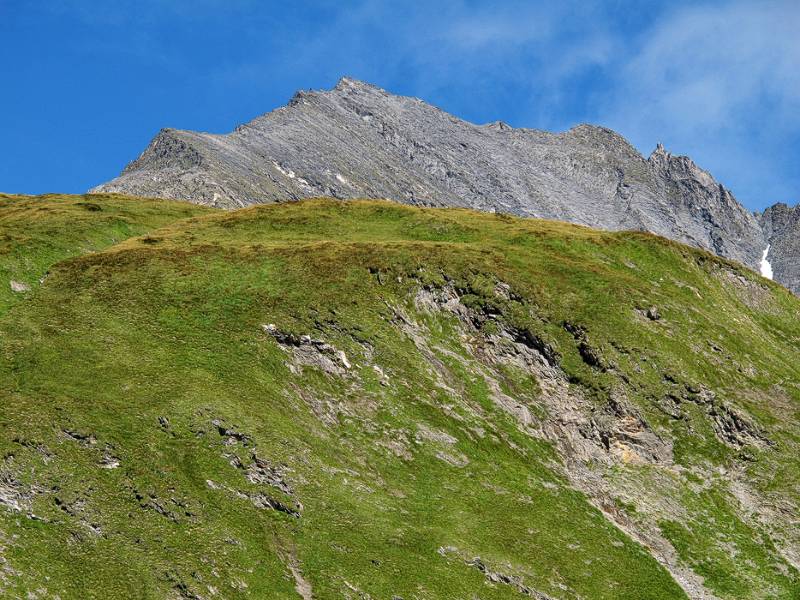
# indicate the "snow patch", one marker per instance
pixel 340 178
pixel 288 172
pixel 766 266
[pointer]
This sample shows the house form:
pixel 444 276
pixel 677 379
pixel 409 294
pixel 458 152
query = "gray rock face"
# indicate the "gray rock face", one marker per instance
pixel 357 140
pixel 781 224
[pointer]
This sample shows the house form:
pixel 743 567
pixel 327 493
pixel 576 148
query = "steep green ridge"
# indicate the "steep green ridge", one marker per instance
pixel 368 400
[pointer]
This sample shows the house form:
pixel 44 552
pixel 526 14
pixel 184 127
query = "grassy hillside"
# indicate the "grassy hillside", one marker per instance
pixel 38 231
pixel 368 400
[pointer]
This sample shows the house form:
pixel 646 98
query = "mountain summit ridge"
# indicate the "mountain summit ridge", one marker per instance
pixel 357 140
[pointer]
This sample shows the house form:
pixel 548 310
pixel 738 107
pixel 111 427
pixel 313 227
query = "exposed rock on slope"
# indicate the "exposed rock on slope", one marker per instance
pixel 370 400
pixel 360 141
pixel 781 225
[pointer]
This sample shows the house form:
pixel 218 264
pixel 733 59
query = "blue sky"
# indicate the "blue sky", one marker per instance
pixel 87 83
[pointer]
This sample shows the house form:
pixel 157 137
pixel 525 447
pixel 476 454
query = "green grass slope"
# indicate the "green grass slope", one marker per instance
pixel 36 232
pixel 368 400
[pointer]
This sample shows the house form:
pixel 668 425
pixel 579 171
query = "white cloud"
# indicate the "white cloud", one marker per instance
pixel 481 30
pixel 707 66
pixel 718 82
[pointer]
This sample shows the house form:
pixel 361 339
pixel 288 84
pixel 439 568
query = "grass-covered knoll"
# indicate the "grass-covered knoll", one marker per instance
pixel 38 231
pixel 484 407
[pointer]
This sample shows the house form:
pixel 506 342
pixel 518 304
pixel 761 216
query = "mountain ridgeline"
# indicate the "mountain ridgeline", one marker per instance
pixel 358 141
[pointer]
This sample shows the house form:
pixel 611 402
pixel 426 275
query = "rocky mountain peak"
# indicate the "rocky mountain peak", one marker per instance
pixel 660 156
pixel 346 88
pixel 350 85
pixel 683 168
pixel 171 148
pixel 357 140
pixel 604 140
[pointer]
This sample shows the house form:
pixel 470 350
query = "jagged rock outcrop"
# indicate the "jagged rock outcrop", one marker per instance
pixel 357 140
pixel 781 224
